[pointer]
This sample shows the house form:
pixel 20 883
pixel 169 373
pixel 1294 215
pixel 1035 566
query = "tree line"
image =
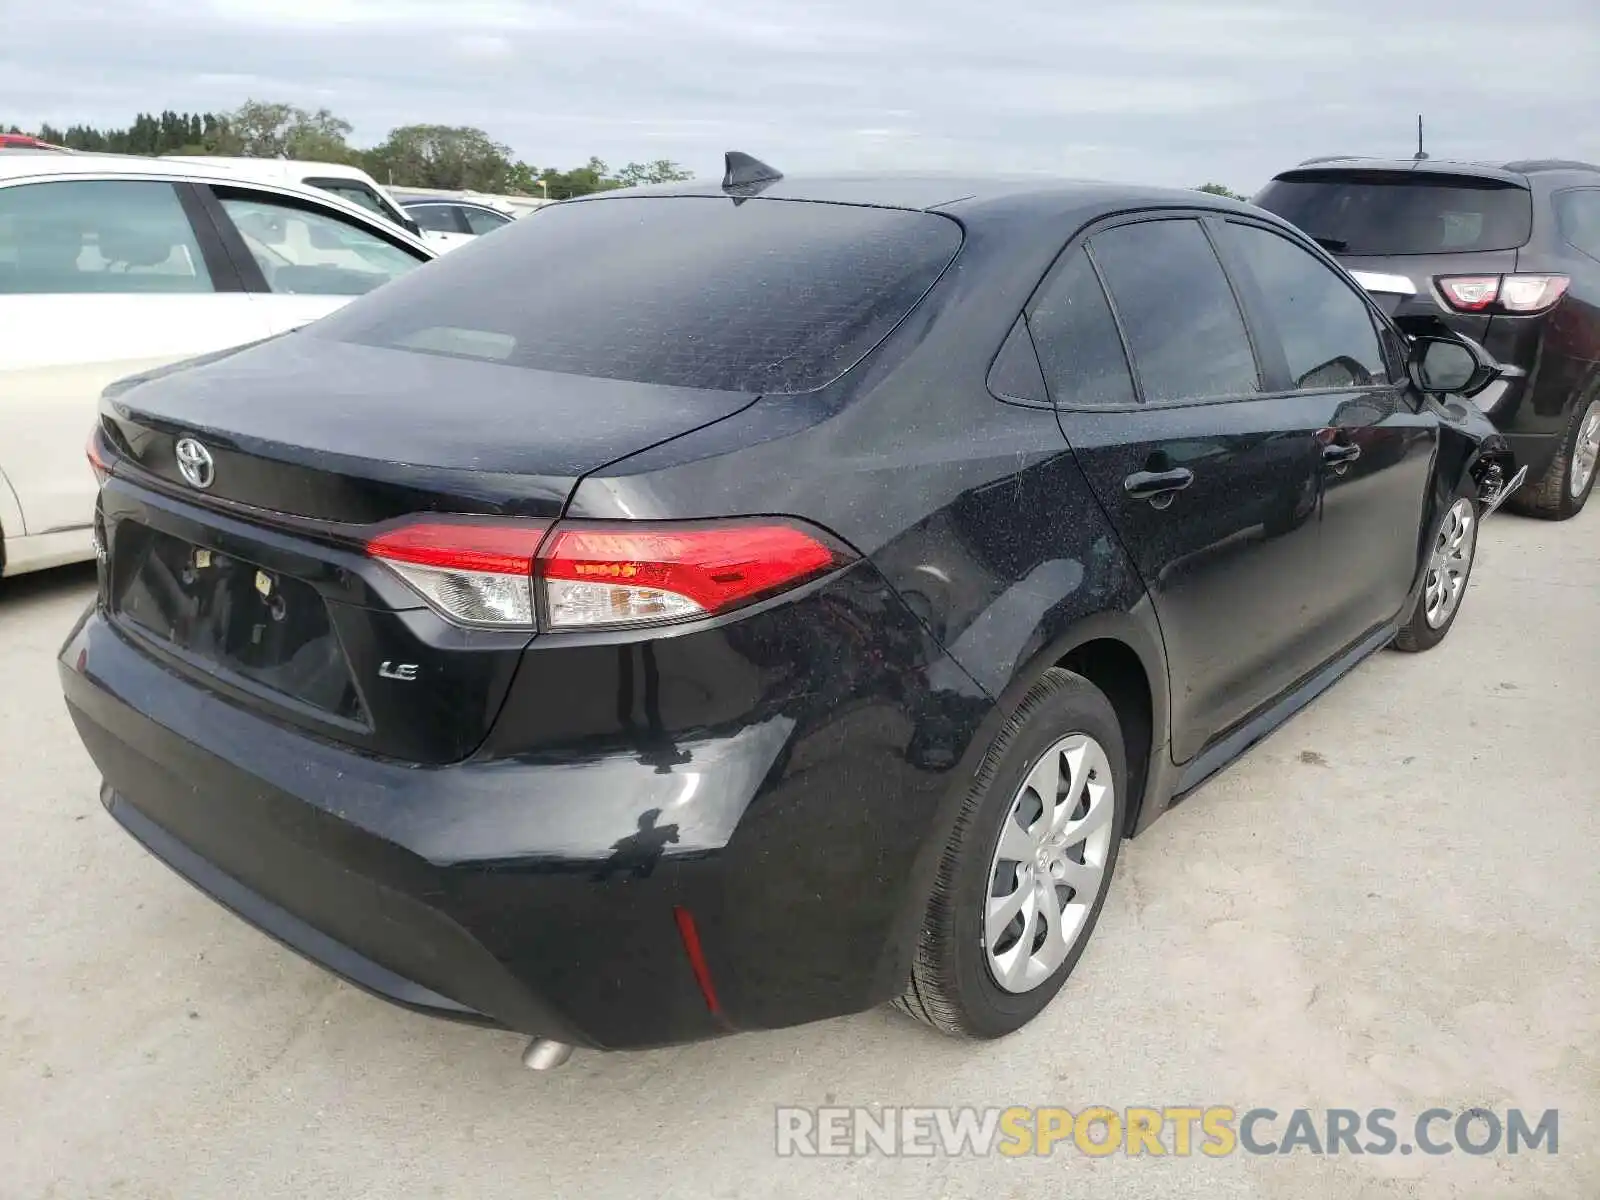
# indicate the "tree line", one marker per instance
pixel 457 157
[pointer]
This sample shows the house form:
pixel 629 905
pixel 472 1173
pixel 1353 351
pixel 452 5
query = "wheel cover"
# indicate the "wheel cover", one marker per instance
pixel 1450 564
pixel 1049 863
pixel 1587 452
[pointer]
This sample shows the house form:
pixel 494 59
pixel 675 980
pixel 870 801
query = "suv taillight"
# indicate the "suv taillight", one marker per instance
pixel 601 575
pixel 1526 293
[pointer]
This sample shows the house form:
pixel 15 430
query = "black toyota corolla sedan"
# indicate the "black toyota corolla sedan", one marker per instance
pixel 713 608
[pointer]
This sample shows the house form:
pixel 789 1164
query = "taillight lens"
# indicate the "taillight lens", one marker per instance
pixel 1510 293
pixel 1469 293
pixel 631 575
pixel 602 575
pixel 97 459
pixel 478 573
pixel 1532 293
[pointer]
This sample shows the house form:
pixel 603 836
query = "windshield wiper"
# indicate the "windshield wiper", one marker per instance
pixel 1332 245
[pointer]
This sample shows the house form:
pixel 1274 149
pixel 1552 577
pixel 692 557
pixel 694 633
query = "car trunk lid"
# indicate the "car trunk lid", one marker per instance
pixel 349 433
pixel 253 579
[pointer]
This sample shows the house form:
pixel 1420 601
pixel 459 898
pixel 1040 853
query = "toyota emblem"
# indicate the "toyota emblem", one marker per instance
pixel 194 461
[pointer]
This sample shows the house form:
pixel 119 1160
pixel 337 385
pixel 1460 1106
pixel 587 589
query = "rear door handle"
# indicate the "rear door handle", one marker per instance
pixel 1341 455
pixel 1153 485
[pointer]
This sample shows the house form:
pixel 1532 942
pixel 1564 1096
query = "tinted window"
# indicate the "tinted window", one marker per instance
pixel 439 218
pixel 356 192
pixel 97 236
pixel 1374 213
pixel 764 296
pixel 1178 312
pixel 305 252
pixel 1326 329
pixel 483 220
pixel 1077 339
pixel 1579 215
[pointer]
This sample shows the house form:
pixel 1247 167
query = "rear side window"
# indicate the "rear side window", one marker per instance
pixel 305 252
pixel 1352 212
pixel 356 192
pixel 1578 213
pixel 483 220
pixel 436 218
pixel 1079 347
pixel 128 237
pixel 699 292
pixel 1183 325
pixel 1327 332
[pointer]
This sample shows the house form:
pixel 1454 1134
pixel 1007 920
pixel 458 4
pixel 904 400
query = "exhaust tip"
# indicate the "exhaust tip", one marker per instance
pixel 543 1054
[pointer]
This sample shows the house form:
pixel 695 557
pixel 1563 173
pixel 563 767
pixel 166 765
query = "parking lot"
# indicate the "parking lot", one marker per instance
pixel 1394 902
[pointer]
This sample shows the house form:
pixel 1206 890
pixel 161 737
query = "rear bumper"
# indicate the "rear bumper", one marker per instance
pixel 541 894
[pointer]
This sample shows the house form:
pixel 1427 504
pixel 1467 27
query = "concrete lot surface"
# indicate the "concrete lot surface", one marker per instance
pixel 1394 902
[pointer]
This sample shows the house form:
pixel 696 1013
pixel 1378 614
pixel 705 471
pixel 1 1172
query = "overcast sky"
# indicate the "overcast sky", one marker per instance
pixel 1153 90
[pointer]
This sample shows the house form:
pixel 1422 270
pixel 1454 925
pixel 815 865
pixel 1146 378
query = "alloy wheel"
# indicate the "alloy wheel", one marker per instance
pixel 1049 863
pixel 1450 564
pixel 1587 452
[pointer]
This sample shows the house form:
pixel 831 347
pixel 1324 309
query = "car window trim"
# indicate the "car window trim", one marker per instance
pixel 1085 238
pixel 1375 315
pixel 249 269
pixel 222 257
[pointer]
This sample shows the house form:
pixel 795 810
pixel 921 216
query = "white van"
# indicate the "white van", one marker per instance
pixel 346 182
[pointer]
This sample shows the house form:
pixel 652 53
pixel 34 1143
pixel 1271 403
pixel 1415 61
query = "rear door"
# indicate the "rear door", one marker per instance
pixel 1211 482
pixel 1324 347
pixel 301 261
pixel 99 278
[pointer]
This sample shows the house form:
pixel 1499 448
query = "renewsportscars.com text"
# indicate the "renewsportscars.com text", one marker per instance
pixel 1180 1131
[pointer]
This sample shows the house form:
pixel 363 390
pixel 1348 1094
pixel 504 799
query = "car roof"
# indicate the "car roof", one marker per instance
pixel 15 165
pixel 295 167
pixel 1516 171
pixel 45 167
pixel 970 197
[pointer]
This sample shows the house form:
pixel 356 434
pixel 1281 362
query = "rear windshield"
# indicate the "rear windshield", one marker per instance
pixel 700 292
pixel 1357 213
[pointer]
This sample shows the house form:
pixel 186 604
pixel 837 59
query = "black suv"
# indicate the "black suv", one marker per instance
pixel 1508 255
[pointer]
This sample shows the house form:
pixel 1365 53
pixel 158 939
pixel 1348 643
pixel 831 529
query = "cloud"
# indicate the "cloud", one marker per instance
pixel 1153 90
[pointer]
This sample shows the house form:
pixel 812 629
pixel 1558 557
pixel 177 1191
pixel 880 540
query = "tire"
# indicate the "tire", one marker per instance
pixel 1554 497
pixel 956 983
pixel 1455 541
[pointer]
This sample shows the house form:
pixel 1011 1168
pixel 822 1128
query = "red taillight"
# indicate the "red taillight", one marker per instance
pixel 97 460
pixel 476 572
pixel 628 575
pixel 1524 293
pixel 601 575
pixel 1469 293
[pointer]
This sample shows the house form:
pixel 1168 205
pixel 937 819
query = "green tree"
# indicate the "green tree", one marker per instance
pixel 257 129
pixel 442 156
pixel 1216 189
pixel 661 170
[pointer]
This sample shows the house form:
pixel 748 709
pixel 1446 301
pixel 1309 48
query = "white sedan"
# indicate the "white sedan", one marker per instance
pixel 112 265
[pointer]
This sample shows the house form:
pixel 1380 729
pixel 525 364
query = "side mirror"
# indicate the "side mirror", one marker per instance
pixel 1442 366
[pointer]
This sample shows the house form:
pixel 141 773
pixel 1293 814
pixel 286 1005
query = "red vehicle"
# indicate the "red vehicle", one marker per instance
pixel 25 141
